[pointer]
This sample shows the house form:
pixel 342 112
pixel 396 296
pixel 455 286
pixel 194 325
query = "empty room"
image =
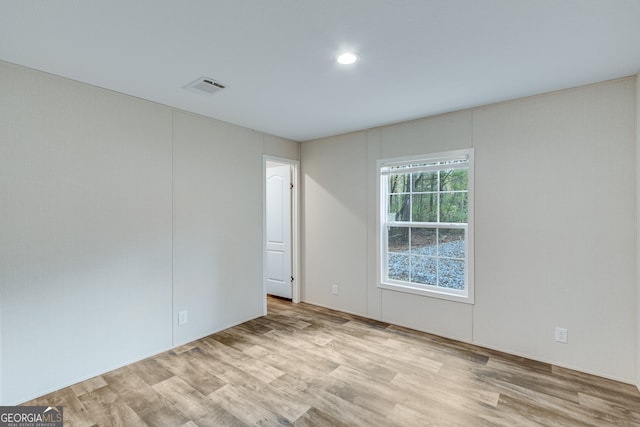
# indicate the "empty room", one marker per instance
pixel 320 213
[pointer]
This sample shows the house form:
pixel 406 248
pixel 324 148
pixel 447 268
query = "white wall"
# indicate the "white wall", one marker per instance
pixel 555 204
pixel 335 221
pixel 280 147
pixel 638 230
pixel 217 225
pixel 85 185
pixel 98 191
pixel 555 201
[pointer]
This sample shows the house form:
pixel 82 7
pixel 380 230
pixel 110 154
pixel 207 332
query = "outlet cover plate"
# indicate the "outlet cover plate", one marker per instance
pixel 561 335
pixel 182 317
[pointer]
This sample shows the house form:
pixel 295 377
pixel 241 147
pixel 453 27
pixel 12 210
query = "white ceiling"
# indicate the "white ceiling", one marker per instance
pixel 418 57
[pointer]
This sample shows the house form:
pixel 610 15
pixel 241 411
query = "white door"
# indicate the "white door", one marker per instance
pixel 278 217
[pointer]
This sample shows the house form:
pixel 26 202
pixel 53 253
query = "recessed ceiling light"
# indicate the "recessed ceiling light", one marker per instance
pixel 347 58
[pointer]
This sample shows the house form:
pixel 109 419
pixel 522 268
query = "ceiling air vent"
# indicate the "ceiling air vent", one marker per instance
pixel 205 86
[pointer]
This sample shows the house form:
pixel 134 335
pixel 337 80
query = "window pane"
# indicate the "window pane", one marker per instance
pixel 453 180
pixel 399 183
pixel 423 270
pixel 421 196
pixel 425 207
pixel 451 243
pixel 453 207
pixel 423 241
pixel 451 273
pixel 425 181
pixel 398 267
pixel 399 207
pixel 398 239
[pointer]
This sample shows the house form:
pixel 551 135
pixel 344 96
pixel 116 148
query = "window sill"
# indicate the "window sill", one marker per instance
pixel 416 290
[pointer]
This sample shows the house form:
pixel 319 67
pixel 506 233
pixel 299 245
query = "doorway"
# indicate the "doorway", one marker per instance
pixel 281 229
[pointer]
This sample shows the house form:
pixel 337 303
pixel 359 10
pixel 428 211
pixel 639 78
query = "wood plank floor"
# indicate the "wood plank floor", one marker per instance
pixel 307 366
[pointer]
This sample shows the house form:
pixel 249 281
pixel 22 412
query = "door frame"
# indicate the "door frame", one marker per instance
pixel 295 226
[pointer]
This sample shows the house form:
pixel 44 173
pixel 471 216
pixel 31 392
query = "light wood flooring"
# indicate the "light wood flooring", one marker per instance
pixel 308 366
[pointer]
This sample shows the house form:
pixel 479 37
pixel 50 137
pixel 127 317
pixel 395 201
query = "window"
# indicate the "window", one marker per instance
pixel 426 225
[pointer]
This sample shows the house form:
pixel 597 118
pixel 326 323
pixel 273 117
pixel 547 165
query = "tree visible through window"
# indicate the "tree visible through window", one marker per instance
pixel 425 223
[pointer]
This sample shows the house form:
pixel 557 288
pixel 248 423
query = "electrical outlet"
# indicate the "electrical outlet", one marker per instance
pixel 182 317
pixel 334 289
pixel 561 335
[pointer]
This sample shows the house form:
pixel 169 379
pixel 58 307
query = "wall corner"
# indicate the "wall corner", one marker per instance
pixel 637 146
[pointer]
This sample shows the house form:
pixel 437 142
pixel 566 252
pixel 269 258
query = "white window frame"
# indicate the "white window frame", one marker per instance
pixel 428 161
